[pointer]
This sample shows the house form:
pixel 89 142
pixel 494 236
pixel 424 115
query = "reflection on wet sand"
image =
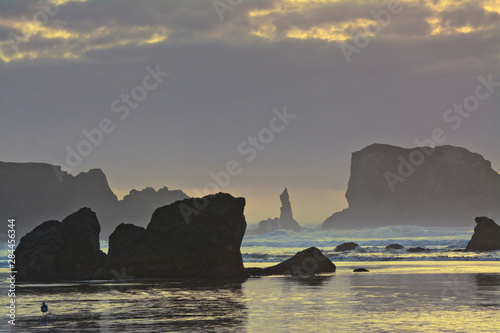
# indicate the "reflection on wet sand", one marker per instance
pixel 488 286
pixel 311 281
pixel 140 307
pixel 397 297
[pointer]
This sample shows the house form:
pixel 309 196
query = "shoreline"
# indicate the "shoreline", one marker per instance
pixel 401 267
pixel 343 269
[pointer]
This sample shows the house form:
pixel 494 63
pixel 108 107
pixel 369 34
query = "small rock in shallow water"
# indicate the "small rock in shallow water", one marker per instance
pixel 307 262
pixel 394 247
pixel 346 246
pixel 417 249
pixel 360 270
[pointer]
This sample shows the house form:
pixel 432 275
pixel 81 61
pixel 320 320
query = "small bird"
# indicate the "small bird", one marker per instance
pixel 44 308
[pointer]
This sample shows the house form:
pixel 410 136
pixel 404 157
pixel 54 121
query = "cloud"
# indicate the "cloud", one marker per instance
pixel 80 27
pixel 471 15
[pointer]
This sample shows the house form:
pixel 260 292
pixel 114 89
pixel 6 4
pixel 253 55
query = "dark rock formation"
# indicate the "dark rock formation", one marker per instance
pixel 346 247
pixel 307 262
pixel 486 235
pixel 446 186
pixel 191 238
pixel 361 270
pixel 394 247
pixel 284 222
pixel 417 249
pixel 67 250
pixel 265 226
pixel 36 192
pixel 124 241
pixel 286 216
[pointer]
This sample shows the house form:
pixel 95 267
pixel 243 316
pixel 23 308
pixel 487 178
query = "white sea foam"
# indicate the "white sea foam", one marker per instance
pixel 440 243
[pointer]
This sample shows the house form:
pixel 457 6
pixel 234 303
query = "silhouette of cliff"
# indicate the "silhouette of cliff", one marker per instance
pixel 444 186
pixel 36 192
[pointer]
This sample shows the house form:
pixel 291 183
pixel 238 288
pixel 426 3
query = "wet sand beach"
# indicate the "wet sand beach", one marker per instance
pixel 415 296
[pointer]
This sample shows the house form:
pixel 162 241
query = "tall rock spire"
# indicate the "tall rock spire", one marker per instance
pixel 286 216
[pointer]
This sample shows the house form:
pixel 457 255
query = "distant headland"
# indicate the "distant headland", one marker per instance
pixel 37 192
pixel 445 186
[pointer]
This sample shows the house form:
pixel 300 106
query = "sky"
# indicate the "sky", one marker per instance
pixel 244 96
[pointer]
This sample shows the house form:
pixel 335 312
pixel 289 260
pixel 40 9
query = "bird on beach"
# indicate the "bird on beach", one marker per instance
pixel 44 308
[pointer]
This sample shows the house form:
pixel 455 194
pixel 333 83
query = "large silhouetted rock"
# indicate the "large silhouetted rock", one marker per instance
pixel 486 235
pixel 124 241
pixel 191 238
pixel 37 192
pixel 67 250
pixel 307 262
pixel 446 186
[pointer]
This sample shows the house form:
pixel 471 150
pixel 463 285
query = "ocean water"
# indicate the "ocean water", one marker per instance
pixel 441 243
pixel 441 290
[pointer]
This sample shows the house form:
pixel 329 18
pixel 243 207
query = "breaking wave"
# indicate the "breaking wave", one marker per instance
pixel 439 244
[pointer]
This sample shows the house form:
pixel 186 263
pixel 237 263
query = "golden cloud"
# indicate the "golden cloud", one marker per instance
pixel 54 39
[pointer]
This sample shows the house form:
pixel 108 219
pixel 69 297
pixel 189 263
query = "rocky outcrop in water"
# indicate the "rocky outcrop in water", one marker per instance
pixel 486 235
pixel 67 250
pixel 394 247
pixel 36 192
pixel 361 269
pixel 307 262
pixel 445 186
pixel 417 249
pixel 191 238
pixel 284 222
pixel 346 247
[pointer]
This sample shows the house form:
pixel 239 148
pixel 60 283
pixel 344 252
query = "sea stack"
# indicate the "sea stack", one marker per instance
pixel 286 216
pixel 284 222
pixel 486 235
